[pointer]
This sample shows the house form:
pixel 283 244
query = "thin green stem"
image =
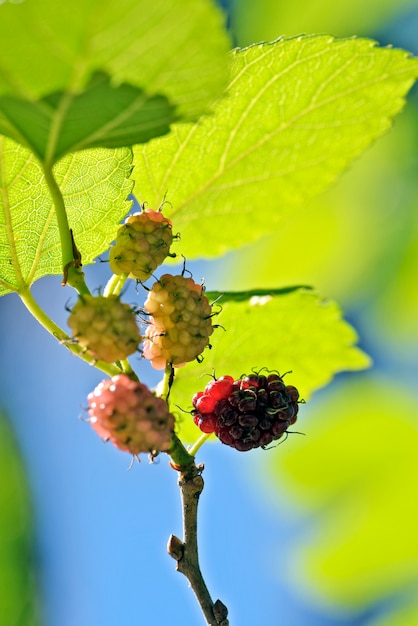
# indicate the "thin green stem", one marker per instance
pixel 126 368
pixel 61 213
pixel 167 381
pixel 57 332
pixel 181 459
pixel 115 284
pixel 199 443
pixel 71 258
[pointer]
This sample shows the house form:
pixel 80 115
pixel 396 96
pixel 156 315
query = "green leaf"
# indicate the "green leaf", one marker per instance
pixel 18 604
pixel 358 210
pixel 298 111
pixel 356 471
pixel 290 329
pixel 102 115
pixel 176 50
pixel 95 185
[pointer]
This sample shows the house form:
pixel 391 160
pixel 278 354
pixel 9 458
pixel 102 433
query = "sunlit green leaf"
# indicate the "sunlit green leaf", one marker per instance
pixel 18 603
pixel 287 330
pixel 95 185
pixel 174 50
pixel 356 470
pixel 357 213
pixel 298 112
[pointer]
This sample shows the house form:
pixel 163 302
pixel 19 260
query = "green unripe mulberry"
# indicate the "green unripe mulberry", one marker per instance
pixel 180 322
pixel 105 327
pixel 142 244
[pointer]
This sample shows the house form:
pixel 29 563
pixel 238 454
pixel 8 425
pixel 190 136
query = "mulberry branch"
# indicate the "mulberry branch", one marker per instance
pixel 186 552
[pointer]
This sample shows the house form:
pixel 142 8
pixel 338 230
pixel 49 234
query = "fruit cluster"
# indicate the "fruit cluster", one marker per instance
pixel 246 413
pixel 180 314
pixel 128 414
pixel 142 244
pixel 180 321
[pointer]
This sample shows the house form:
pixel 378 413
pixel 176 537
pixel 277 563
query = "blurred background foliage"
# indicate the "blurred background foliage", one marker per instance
pixel 268 19
pixel 352 479
pixel 347 489
pixel 18 604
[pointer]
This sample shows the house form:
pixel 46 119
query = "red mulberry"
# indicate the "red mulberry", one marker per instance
pixel 128 414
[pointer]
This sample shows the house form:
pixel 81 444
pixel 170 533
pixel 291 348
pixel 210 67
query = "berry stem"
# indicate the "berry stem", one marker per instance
pixel 127 369
pixel 167 381
pixel 181 459
pixel 199 443
pixel 115 285
pixel 186 552
pixel 57 332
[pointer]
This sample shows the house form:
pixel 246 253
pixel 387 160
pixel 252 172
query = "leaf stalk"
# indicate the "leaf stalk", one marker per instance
pixel 71 258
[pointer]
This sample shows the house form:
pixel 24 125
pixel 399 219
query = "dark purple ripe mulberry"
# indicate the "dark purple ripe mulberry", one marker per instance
pixel 246 413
